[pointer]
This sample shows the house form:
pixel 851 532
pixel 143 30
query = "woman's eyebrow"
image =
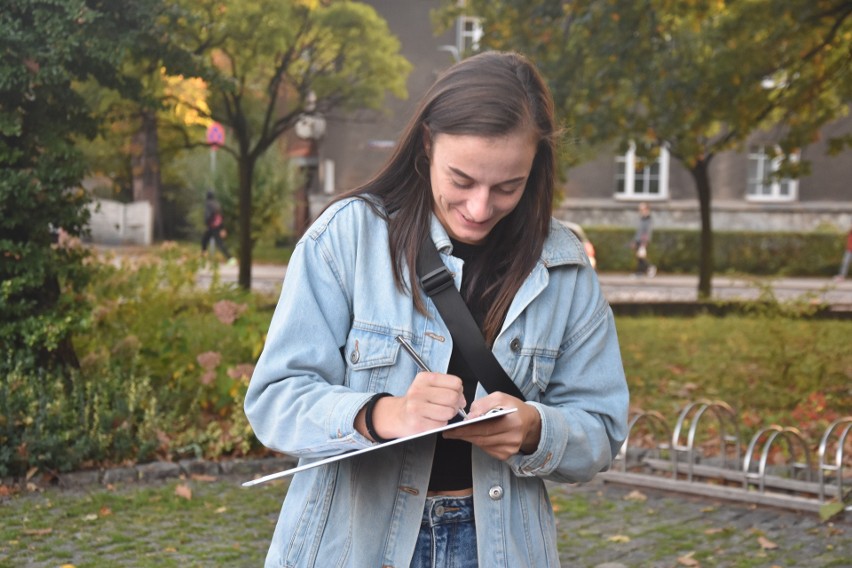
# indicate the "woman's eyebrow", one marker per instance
pixel 458 172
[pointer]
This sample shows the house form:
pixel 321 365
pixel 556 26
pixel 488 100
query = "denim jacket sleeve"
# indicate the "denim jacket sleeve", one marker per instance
pixel 297 402
pixel 584 403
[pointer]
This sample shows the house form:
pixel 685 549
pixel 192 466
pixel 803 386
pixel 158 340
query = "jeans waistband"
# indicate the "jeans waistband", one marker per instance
pixel 445 509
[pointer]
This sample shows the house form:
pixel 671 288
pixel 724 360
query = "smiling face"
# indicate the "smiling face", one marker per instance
pixel 477 181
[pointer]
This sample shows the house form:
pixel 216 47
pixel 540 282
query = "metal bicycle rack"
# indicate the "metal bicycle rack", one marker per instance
pixel 729 432
pixel 732 475
pixel 657 424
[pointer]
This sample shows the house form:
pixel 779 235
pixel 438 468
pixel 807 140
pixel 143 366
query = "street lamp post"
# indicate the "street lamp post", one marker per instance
pixel 309 127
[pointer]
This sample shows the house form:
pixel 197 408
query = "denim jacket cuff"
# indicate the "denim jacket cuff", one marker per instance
pixel 344 428
pixel 541 461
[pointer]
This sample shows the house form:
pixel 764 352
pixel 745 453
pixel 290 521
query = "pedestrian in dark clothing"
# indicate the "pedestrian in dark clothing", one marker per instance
pixel 215 226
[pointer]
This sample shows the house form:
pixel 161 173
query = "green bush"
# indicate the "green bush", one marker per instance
pixel 815 254
pixel 45 424
pixel 163 370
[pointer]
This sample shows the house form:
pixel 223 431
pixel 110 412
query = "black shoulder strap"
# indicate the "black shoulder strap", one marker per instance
pixel 437 282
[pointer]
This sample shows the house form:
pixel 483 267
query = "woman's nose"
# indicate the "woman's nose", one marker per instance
pixel 479 205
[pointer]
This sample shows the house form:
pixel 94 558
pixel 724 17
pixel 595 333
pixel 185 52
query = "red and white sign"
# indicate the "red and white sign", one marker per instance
pixel 216 135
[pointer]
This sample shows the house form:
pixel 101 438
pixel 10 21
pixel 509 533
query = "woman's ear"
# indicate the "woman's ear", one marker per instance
pixel 427 142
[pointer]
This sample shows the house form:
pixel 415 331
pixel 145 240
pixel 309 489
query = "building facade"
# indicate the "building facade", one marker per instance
pixel 603 191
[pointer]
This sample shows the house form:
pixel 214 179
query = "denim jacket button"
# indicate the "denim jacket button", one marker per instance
pixel 354 357
pixel 515 345
pixel 496 493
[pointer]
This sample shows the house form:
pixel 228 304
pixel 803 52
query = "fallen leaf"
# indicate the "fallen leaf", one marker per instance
pixel 203 477
pixel 67 566
pixel 170 549
pixel 635 495
pixel 184 491
pixel 91 517
pixel 688 560
pixel 708 509
pixel 619 538
pixel 37 532
pixel 31 472
pixel 766 544
pixel 105 512
pixel 221 509
pixel 713 531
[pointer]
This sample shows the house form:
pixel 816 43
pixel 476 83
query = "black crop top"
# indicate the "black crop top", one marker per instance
pixel 451 467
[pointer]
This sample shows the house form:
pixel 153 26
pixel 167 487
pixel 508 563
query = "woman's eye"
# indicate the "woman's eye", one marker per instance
pixel 462 184
pixel 508 190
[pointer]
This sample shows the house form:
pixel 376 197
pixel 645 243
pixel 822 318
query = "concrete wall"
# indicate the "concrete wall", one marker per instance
pixel 729 215
pixel 115 223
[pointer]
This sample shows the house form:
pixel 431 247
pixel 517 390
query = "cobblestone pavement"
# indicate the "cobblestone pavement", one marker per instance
pixel 599 524
pixel 627 527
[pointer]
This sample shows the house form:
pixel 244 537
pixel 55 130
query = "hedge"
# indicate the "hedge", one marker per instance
pixel 758 253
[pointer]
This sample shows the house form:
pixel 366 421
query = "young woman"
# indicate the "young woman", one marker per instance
pixel 473 172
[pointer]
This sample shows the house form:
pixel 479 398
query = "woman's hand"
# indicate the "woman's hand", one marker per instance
pixel 431 401
pixel 502 437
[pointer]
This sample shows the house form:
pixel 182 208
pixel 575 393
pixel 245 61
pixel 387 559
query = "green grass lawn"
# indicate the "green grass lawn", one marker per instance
pixel 794 372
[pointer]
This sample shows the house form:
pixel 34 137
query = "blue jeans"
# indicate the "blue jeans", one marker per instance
pixel 447 536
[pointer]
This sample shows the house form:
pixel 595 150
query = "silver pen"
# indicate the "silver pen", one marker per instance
pixel 413 354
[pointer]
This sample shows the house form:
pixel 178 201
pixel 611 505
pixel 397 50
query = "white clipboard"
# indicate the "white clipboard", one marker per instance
pixel 490 415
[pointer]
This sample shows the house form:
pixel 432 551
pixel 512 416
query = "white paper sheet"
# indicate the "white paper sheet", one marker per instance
pixel 490 415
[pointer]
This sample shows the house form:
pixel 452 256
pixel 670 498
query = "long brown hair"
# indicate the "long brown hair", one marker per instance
pixel 490 94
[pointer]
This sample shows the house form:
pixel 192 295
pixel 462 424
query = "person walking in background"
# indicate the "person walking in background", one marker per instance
pixel 641 241
pixel 847 257
pixel 473 177
pixel 215 227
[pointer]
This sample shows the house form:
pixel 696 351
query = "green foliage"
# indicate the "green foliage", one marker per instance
pixel 696 77
pixel 280 59
pixel 740 252
pixel 163 371
pixel 102 418
pixel 275 180
pixel 46 47
pixel 770 366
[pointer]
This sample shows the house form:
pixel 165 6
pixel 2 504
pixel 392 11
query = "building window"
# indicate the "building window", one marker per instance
pixel 469 34
pixel 635 178
pixel 762 184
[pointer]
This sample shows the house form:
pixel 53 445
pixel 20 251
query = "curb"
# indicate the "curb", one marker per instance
pixel 153 471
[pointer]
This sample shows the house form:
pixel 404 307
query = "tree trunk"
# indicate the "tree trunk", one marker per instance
pixel 145 167
pixel 246 173
pixel 302 211
pixel 701 175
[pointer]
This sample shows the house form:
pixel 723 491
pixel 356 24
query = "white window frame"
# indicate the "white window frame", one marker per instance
pixel 764 188
pixel 626 164
pixel 467 40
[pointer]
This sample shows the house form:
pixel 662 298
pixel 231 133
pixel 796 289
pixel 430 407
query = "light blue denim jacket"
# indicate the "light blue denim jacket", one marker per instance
pixel 331 345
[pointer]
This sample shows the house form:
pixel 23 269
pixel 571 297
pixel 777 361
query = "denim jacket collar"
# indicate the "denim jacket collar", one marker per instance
pixel 560 248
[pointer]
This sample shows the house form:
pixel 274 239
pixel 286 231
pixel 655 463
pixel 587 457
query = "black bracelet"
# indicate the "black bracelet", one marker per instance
pixel 368 417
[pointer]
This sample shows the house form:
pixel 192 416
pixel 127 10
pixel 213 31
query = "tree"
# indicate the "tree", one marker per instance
pixel 46 48
pixel 272 56
pixel 696 77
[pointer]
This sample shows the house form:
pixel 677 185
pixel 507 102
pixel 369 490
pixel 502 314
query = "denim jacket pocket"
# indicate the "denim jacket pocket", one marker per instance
pixel 535 370
pixel 370 355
